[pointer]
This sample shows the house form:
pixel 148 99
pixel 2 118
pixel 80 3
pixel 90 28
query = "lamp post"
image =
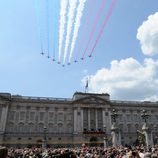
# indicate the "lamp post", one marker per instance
pixel 114 115
pixel 113 127
pixel 156 137
pixel 44 137
pixel 145 128
pixel 105 137
pixel 144 116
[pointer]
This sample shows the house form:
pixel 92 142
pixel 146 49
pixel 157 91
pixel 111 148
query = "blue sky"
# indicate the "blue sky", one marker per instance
pixel 24 71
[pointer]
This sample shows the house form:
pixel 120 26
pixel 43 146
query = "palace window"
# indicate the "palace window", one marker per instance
pixel 60 128
pixel 22 115
pixel 21 127
pixel 31 127
pixel 121 127
pixel 69 128
pixel 41 116
pixel 129 128
pixel 17 117
pixel 40 127
pixel 11 127
pixel 50 128
pixel 78 113
pixel 120 118
pixel 128 117
pixel 60 117
pixel 135 117
pixel 32 116
pixel 11 115
pixel 69 117
pixel 51 116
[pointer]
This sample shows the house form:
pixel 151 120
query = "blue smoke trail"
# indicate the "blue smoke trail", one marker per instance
pixel 47 27
pixel 39 22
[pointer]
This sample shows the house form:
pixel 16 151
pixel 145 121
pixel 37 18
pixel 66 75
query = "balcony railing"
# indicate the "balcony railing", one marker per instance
pixel 94 132
pixel 40 98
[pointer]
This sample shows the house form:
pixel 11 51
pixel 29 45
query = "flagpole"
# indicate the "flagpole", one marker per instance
pixel 86 86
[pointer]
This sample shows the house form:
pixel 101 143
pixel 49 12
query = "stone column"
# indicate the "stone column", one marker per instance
pixel 81 120
pixel 96 119
pixel 105 142
pixel 3 120
pixel 148 140
pixel 145 128
pixel 75 120
pixel 151 138
pixel 145 131
pixel 105 137
pixel 119 137
pixel 103 117
pixel 114 128
pixel 89 120
pixel 113 134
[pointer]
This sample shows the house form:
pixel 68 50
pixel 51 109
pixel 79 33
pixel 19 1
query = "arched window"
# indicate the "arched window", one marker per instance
pixel 129 128
pixel 31 127
pixel 11 127
pixel 50 128
pixel 26 128
pixel 21 127
pixel 121 127
pixel 69 128
pixel 60 126
pixel 40 127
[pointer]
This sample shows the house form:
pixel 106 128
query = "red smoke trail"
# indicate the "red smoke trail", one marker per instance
pixel 94 26
pixel 103 26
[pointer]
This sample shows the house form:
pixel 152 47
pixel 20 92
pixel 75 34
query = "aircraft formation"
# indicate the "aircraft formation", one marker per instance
pixel 59 28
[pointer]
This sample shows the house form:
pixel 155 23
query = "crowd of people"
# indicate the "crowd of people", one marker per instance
pixel 83 152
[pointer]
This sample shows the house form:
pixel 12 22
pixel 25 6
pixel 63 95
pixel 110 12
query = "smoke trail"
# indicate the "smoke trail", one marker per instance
pixel 47 25
pixel 37 8
pixel 103 26
pixel 77 25
pixel 72 7
pixel 102 5
pixel 54 27
pixel 62 25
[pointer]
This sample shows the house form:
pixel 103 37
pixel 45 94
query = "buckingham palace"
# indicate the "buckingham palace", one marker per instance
pixel 84 118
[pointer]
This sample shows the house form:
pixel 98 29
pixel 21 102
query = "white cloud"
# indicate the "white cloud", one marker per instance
pixel 151 98
pixel 127 80
pixel 147 34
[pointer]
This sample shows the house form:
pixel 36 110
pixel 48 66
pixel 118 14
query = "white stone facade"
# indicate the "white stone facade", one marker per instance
pixel 22 119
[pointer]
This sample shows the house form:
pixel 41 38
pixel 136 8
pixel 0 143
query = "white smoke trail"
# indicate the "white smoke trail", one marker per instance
pixel 71 13
pixel 77 25
pixel 62 25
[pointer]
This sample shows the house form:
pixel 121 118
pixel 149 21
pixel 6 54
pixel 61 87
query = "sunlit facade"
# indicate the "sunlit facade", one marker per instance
pixel 80 119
